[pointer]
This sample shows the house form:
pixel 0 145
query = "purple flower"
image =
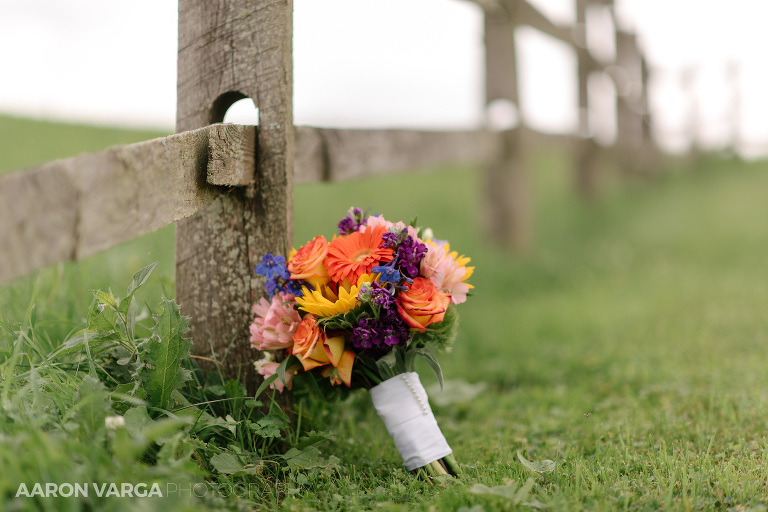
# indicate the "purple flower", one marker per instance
pixel 409 256
pixel 389 239
pixel 353 221
pixel 347 226
pixel 375 337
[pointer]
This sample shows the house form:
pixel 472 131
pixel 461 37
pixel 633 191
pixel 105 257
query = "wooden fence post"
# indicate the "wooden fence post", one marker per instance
pixel 628 101
pixel 586 148
pixel 507 191
pixel 229 50
pixel 649 151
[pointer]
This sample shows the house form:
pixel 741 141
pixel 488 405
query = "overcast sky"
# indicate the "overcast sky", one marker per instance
pixel 391 63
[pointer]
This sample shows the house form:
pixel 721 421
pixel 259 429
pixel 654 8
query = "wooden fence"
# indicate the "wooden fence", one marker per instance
pixel 230 188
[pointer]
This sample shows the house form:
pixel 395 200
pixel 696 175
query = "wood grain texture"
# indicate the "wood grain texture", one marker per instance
pixel 337 155
pixel 232 155
pixel 72 208
pixel 232 49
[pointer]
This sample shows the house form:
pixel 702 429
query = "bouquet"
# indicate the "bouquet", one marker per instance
pixel 357 310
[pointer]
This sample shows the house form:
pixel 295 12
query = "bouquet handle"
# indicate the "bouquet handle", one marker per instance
pixel 402 404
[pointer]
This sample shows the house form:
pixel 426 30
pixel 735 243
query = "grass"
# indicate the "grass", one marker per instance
pixel 625 347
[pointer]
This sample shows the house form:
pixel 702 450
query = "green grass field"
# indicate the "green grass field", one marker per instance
pixel 626 347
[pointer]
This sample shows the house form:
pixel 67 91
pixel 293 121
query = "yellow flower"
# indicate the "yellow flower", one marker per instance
pixel 324 302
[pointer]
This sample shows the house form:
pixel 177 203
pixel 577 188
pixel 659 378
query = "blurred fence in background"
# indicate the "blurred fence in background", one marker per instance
pixel 230 188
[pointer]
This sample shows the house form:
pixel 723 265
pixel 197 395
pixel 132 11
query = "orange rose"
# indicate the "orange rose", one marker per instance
pixel 313 348
pixel 341 372
pixel 422 304
pixel 307 263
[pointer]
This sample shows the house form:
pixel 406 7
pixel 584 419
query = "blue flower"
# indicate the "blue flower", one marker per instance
pixel 272 286
pixel 387 274
pixel 294 286
pixel 272 266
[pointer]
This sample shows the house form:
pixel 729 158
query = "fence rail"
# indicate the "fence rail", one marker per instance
pixel 72 208
pixel 69 209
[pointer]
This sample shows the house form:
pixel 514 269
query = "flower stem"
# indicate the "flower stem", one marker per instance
pixel 452 464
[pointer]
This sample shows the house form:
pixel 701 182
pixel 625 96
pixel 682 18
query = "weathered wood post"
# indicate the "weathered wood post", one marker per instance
pixel 649 152
pixel 507 192
pixel 586 148
pixel 228 50
pixel 628 97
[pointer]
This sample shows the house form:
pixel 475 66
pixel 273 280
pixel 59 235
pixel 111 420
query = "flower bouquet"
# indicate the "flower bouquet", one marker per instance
pixel 358 310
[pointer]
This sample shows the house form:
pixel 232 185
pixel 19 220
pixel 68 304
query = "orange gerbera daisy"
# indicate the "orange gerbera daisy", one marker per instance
pixel 351 256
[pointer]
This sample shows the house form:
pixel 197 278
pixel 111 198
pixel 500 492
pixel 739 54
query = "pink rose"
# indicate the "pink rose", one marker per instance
pixel 275 323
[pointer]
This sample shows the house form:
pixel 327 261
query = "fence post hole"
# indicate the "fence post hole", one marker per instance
pixel 507 192
pixel 228 50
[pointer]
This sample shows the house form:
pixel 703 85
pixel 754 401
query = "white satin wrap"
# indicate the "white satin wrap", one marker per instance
pixel 403 406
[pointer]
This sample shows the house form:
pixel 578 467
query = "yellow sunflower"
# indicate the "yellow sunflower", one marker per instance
pixel 324 302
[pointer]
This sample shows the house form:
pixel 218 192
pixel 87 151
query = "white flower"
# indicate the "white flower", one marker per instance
pixel 114 422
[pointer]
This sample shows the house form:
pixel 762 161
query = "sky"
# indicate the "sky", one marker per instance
pixel 399 63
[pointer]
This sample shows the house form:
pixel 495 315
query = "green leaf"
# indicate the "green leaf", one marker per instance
pixel 313 437
pixel 105 321
pixel 226 463
pixel 160 431
pixel 314 385
pixel 288 361
pixel 511 491
pixel 106 298
pixel 392 363
pixel 92 405
pixel 136 420
pixel 269 426
pixel 308 458
pixel 542 466
pixel 431 359
pixel 178 449
pixel 205 421
pixel 440 334
pixel 133 310
pixel 162 355
pixel 237 391
pixel 269 380
pixel 124 397
pixel 140 277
